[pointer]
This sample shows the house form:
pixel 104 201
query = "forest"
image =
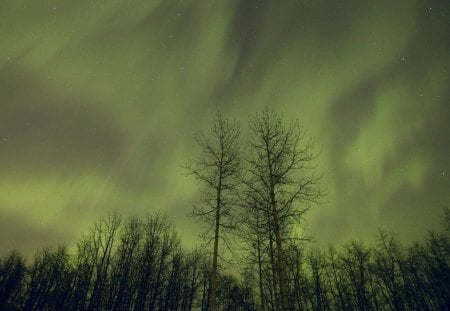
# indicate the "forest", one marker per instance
pixel 256 192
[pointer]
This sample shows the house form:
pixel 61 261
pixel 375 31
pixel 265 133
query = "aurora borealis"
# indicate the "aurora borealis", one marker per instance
pixel 99 101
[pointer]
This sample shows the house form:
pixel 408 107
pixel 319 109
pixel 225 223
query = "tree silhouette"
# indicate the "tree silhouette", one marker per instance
pixel 139 264
pixel 12 271
pixel 149 270
pixel 278 179
pixel 217 168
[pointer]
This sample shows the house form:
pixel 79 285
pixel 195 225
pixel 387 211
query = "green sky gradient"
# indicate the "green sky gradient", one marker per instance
pixel 99 101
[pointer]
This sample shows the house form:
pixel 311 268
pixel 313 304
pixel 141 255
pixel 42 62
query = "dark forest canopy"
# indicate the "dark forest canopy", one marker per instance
pixel 138 264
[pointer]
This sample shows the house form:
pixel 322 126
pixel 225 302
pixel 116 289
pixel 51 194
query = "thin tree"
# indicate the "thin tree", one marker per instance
pixel 217 168
pixel 279 174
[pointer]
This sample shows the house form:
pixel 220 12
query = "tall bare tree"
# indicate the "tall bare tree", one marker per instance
pixel 217 168
pixel 280 177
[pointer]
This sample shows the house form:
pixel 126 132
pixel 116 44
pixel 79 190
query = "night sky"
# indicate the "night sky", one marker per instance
pixel 99 101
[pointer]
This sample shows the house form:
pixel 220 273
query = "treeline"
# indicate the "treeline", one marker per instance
pixel 385 277
pixel 256 189
pixel 138 264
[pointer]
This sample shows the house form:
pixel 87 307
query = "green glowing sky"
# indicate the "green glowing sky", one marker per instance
pixel 99 101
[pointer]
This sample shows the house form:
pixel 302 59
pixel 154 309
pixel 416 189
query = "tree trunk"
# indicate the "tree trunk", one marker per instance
pixel 281 270
pixel 273 282
pixel 281 264
pixel 213 296
pixel 258 243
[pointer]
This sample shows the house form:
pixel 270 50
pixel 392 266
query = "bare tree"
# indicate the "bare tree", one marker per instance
pixel 280 177
pixel 217 168
pixel 122 267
